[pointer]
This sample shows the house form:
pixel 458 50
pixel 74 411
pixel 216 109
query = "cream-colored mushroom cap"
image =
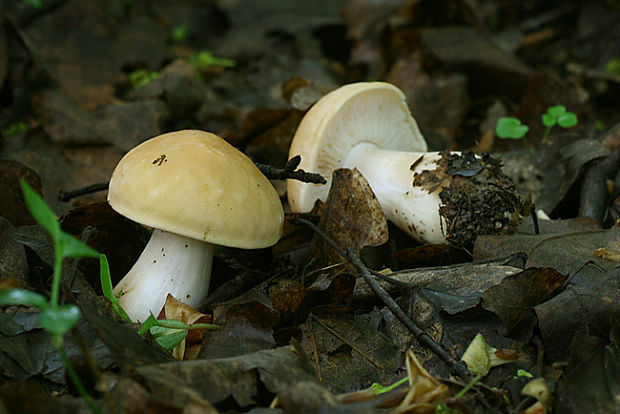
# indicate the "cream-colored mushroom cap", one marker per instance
pixel 366 112
pixel 195 184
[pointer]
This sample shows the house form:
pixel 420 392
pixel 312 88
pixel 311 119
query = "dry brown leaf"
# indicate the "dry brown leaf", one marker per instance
pixel 352 216
pixel 190 346
pixel 425 392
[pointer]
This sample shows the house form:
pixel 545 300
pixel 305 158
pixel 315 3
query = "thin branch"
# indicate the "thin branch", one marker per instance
pixel 457 367
pixel 290 171
pixel 78 192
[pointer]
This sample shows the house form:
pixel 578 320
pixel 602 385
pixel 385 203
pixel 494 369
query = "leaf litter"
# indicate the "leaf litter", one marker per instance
pixel 301 331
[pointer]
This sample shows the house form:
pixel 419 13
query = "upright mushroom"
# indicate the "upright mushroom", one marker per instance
pixel 435 197
pixel 196 191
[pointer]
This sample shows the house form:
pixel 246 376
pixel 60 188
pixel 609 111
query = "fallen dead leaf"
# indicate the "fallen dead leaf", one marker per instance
pixel 352 216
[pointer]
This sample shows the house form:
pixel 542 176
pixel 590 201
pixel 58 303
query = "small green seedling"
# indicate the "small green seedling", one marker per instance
pixel 168 333
pixel 15 128
pixel 512 128
pixel 205 60
pixel 180 33
pixel 141 77
pixel 612 67
pixel 557 115
pixel 37 4
pixel 55 318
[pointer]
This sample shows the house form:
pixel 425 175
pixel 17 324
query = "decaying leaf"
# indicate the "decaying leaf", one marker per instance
pixel 352 216
pixel 424 393
pixel 514 298
pixel 480 357
pixel 538 389
pixel 190 346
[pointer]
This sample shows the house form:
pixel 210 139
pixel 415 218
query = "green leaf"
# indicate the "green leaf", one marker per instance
pixel 510 127
pixel 37 4
pixel 204 60
pixel 548 120
pixel 567 120
pixel 141 77
pixel 180 33
pixel 147 324
pixel 60 320
pixel 108 290
pixel 72 247
pixel 15 129
pixel 476 356
pixel 168 338
pixel 22 297
pixel 556 111
pixel 613 66
pixel 40 210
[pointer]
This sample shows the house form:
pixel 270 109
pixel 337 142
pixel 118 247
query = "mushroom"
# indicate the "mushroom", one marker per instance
pixel 435 197
pixel 196 191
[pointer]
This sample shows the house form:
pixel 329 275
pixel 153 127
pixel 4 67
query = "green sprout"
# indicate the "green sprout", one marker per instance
pixel 168 333
pixel 15 128
pixel 180 33
pixel 37 4
pixel 511 127
pixel 612 67
pixel 141 77
pixel 557 115
pixel 54 318
pixel 204 60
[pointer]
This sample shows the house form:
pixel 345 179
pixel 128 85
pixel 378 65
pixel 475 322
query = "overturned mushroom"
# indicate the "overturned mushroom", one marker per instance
pixel 196 191
pixel 435 197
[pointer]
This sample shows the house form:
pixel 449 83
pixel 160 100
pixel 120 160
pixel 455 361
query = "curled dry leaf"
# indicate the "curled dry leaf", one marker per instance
pixel 538 389
pixel 425 392
pixel 190 346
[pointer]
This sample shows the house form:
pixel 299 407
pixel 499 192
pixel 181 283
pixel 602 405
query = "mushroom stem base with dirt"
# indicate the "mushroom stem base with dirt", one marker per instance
pixel 439 197
pixel 170 264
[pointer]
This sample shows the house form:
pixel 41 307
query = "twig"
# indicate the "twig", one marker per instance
pixel 78 192
pixel 315 352
pixel 457 367
pixel 535 219
pixel 290 171
pixel 87 233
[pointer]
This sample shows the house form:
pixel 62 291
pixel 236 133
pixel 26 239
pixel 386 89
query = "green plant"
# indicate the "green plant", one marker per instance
pixel 54 318
pixel 557 115
pixel 204 60
pixel 37 4
pixel 512 128
pixel 612 67
pixel 180 33
pixel 15 128
pixel 168 333
pixel 141 77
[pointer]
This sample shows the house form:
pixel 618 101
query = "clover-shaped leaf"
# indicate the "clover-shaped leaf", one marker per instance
pixel 511 127
pixel 567 120
pixel 559 115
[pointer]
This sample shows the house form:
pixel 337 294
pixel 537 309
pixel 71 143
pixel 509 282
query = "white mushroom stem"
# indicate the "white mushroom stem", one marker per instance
pixel 390 176
pixel 170 264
